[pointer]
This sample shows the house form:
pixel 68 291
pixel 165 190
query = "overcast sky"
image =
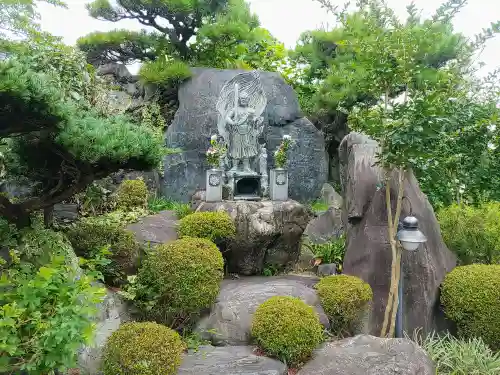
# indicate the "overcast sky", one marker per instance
pixel 285 19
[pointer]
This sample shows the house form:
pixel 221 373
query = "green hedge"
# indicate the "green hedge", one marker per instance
pixel 471 298
pixel 88 237
pixel 132 193
pixel 179 279
pixel 287 328
pixel 345 300
pixel 472 233
pixel 143 349
pixel 215 226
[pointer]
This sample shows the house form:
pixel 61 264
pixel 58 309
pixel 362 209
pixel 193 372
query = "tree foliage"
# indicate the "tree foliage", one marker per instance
pixel 406 85
pixel 54 140
pixel 372 54
pixel 220 34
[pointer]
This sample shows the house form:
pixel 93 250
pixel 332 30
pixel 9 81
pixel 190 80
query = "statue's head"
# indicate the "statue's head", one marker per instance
pixel 244 100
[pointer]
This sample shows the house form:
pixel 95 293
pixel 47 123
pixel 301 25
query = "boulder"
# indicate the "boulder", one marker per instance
pixel 331 197
pixel 196 120
pixel 112 313
pixel 230 360
pixel 368 253
pixel 230 320
pixel 325 227
pixel 66 212
pixel 369 355
pixel 155 229
pixel 267 233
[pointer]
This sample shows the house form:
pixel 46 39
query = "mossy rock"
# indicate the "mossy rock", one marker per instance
pixel 287 328
pixel 345 300
pixel 132 193
pixel 142 349
pixel 471 298
pixel 180 279
pixel 215 226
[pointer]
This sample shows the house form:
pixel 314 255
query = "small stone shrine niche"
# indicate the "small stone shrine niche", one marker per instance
pixel 240 124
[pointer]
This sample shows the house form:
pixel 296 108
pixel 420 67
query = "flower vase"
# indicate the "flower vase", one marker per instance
pixel 214 185
pixel 278 187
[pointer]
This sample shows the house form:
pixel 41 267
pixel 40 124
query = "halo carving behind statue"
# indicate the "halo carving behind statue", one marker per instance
pixel 248 84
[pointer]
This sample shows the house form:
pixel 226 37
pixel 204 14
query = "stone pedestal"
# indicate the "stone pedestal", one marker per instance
pixel 267 233
pixel 278 184
pixel 214 185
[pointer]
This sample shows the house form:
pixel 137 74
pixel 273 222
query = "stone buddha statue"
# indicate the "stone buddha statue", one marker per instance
pixel 244 129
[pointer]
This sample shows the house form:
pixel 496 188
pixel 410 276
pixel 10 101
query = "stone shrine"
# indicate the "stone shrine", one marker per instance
pixel 240 106
pixel 261 108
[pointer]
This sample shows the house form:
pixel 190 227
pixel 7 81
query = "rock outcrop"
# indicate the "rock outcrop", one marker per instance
pixel 230 319
pixel 155 229
pixel 112 313
pixel 368 253
pixel 267 233
pixel 229 360
pixel 196 120
pixel 325 227
pixel 368 355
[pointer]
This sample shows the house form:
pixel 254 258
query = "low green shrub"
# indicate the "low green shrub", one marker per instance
pixel 45 316
pixel 345 300
pixel 142 349
pixel 287 328
pixel 37 246
pixel 319 206
pixel 215 226
pixel 329 252
pixel 178 280
pixel 89 237
pixel 121 217
pixel 471 298
pixel 132 193
pixel 165 72
pixel 454 356
pixel 158 204
pixel 472 233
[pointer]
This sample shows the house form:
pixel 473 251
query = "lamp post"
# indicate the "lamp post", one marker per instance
pixel 410 238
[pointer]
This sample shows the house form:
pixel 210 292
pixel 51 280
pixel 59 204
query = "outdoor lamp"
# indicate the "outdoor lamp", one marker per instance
pixel 409 235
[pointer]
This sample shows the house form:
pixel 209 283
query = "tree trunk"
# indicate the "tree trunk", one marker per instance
pixel 48 216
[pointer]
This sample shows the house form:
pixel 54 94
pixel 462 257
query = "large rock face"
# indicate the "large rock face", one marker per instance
pixel 368 253
pixel 229 360
pixel 368 355
pixel 267 233
pixel 230 319
pixel 196 120
pixel 112 313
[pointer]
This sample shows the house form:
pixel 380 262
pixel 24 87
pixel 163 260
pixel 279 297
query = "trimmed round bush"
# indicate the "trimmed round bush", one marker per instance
pixel 471 298
pixel 287 328
pixel 215 226
pixel 472 233
pixel 88 237
pixel 132 193
pixel 179 279
pixel 345 300
pixel 142 349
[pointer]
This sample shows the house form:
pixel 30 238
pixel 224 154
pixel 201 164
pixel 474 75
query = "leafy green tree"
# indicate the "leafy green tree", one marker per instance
pixel 387 58
pixel 19 17
pixel 55 140
pixel 332 79
pixel 220 33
